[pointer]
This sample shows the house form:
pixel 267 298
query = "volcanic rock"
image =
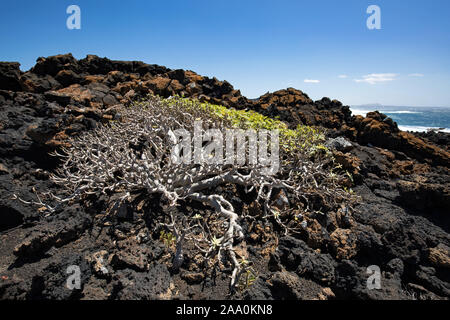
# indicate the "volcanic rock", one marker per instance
pixel 399 223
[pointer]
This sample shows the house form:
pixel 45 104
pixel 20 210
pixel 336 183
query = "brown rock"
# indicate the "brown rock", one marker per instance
pixel 343 243
pixel 78 93
pixel 93 79
pixel 193 88
pixel 129 259
pixel 53 64
pixel 193 77
pixel 348 161
pixel 109 100
pixel 192 277
pixel 158 85
pixel 124 87
pixel 315 234
pixel 67 78
pixel 99 262
pixel 439 256
pixel 130 95
pixel 58 97
pixel 326 294
pixel 3 169
pixel 175 87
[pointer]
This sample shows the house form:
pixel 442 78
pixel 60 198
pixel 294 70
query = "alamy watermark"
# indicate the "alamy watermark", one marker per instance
pixel 74 20
pixel 74 278
pixel 374 280
pixel 233 147
pixel 374 20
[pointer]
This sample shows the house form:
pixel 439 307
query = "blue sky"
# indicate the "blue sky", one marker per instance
pixel 258 46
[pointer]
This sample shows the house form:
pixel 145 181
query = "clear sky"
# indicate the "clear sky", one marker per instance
pixel 322 47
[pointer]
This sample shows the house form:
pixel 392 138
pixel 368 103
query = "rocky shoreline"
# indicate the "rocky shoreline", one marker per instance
pixel 401 222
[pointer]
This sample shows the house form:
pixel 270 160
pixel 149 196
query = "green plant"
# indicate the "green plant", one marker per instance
pixel 167 238
pixel 215 242
pixel 350 176
pixel 302 138
pixel 247 278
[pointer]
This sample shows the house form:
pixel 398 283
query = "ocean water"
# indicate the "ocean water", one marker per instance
pixel 412 118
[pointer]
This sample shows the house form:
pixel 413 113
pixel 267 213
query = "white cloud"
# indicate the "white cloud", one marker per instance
pixel 311 81
pixel 343 76
pixel 375 78
pixel 416 75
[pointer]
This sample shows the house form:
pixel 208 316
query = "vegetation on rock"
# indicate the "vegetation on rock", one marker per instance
pixel 132 156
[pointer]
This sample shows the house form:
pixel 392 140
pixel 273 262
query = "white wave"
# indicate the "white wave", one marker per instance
pixel 401 112
pixel 363 112
pixel 359 112
pixel 422 129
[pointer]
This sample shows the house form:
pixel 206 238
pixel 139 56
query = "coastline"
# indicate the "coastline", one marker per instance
pixel 412 119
